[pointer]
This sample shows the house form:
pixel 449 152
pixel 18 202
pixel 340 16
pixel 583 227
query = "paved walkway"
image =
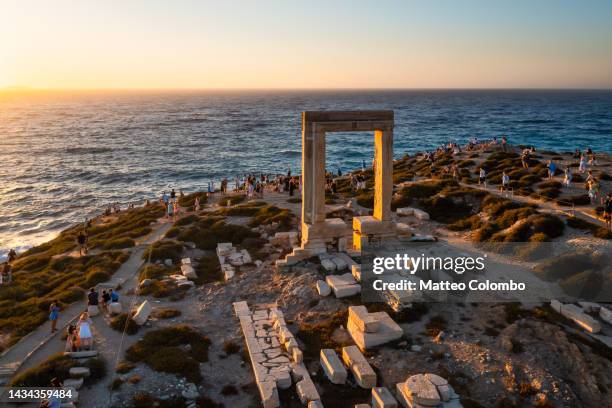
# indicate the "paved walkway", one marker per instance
pixel 30 348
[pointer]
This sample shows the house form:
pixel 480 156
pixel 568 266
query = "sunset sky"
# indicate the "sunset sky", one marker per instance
pixel 305 44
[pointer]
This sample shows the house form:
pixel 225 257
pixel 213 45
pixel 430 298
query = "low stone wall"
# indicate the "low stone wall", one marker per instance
pixel 275 354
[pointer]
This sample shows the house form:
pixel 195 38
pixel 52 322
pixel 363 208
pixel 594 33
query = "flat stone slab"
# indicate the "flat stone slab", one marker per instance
pixel 365 321
pixel 387 331
pixel 382 398
pixel 79 372
pixel 323 288
pixel 605 314
pixel 75 383
pixel 332 366
pixel 142 313
pixel 343 285
pixel 307 391
pixel 359 366
pixel 582 319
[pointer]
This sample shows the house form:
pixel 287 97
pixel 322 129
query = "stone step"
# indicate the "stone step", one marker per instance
pixel 79 372
pixel 382 398
pixel 75 383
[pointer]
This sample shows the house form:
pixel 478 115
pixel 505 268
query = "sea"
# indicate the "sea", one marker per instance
pixel 65 155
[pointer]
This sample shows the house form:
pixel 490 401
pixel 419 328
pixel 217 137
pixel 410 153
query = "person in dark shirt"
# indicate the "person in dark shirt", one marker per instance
pixel 92 297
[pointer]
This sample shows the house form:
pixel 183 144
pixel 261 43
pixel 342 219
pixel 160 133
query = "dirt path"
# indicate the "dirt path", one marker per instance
pixel 546 206
pixel 41 343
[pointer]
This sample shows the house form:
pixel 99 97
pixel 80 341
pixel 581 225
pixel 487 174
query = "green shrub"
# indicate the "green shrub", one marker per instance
pixel 160 350
pixel 229 347
pixel 583 285
pixel 468 223
pixel 208 270
pixel 548 224
pixel 564 266
pixel 318 335
pixel 119 243
pixel 581 199
pixel 190 219
pixel 124 322
pixel 95 277
pixel 271 214
pixel 232 200
pixel 166 313
pixel 162 250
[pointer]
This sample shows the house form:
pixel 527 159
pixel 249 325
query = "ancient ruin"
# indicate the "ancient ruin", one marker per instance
pixel 317 230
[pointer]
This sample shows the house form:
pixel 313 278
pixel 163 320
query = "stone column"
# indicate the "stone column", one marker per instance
pixel 319 177
pixel 307 170
pixel 383 190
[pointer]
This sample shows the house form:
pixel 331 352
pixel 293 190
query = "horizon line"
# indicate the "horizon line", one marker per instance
pixel 25 89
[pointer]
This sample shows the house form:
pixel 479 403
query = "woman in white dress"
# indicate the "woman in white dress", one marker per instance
pixel 85 335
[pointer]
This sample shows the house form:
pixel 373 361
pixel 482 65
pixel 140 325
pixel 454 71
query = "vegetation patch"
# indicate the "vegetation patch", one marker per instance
pixel 58 366
pixel 318 335
pixel 232 200
pixel 162 250
pixel 596 230
pixel 165 313
pixel 124 322
pixel 165 350
pixel 24 305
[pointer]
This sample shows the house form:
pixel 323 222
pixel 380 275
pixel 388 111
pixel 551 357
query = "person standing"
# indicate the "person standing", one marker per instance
pixel 482 178
pixel 552 169
pixel 12 255
pixel 505 182
pixel 7 273
pixel 105 301
pixel 114 296
pixel 608 211
pixel 54 315
pixel 196 204
pixel 82 241
pixel 504 144
pixel 568 177
pixel 93 297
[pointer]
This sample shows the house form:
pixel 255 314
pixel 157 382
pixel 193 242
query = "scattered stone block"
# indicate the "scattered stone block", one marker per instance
pixel 114 308
pixel 168 262
pixel 186 284
pixel 315 404
pixel 382 398
pixel 323 288
pixel 332 366
pixel 307 391
pixel 387 331
pixel 582 319
pixel 359 366
pixel 362 406
pixel 590 307
pixel 186 261
pixel 79 372
pixel 343 285
pixel 228 271
pixel 419 389
pixel 605 314
pixel 75 383
pixel 188 272
pixel 328 265
pixel 142 313
pixel 93 311
pixel 404 211
pixel 340 263
pixel 362 319
pixel 556 305
pixel 241 308
pixel 420 214
pixel 224 248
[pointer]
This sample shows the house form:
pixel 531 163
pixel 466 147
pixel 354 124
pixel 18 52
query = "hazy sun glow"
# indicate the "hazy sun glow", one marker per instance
pixel 306 44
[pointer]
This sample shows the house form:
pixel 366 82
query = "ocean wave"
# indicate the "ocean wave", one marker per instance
pixel 89 150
